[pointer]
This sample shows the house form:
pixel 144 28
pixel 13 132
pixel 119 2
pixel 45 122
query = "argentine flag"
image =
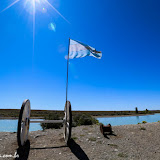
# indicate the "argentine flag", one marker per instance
pixel 79 50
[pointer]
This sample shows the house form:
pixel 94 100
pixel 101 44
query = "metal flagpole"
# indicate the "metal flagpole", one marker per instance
pixel 67 70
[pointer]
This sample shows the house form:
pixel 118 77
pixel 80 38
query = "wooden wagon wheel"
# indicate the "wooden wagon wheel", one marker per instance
pixel 67 122
pixel 23 123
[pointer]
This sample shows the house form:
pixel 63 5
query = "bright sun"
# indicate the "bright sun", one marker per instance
pixel 31 5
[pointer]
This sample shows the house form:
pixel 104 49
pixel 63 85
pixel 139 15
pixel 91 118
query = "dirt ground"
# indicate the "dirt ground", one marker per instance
pixel 130 142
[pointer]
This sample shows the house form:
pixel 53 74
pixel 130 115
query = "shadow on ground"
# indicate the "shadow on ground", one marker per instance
pixel 77 150
pixel 49 147
pixel 23 152
pixel 109 134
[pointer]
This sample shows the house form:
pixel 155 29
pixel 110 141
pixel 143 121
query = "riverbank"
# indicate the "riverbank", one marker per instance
pixel 100 116
pixel 110 116
pixel 128 142
pixel 38 114
pixel 17 118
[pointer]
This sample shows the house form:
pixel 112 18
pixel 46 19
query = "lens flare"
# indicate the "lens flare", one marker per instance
pixel 10 5
pixel 56 10
pixel 44 10
pixel 31 6
pixel 52 27
pixel 34 11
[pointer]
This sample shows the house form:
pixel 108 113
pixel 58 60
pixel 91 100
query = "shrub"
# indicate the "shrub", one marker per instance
pixel 113 145
pixel 74 138
pixel 142 128
pixel 83 119
pixel 92 139
pixel 78 119
pixel 144 122
pixel 122 155
pixel 51 125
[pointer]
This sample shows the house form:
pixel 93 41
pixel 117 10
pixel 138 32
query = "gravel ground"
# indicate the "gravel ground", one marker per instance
pixel 130 142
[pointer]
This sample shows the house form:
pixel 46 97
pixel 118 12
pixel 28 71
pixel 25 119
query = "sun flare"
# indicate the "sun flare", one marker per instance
pixel 31 6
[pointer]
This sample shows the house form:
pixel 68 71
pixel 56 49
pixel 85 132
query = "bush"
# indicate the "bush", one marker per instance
pixel 83 119
pixel 51 125
pixel 144 122
pixel 78 119
pixel 142 128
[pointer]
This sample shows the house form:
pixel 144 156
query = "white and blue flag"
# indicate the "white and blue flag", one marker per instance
pixel 79 50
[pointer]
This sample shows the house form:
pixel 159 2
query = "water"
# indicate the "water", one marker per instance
pixel 10 125
pixel 116 121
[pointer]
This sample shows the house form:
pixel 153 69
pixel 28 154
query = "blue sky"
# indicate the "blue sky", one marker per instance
pixel 127 32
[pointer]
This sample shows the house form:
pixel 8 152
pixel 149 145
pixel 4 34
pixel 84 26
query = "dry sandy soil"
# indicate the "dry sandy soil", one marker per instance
pixel 137 142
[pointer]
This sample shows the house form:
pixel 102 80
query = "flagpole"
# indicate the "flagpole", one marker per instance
pixel 67 70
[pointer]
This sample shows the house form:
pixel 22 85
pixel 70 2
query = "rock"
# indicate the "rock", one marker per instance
pixel 116 150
